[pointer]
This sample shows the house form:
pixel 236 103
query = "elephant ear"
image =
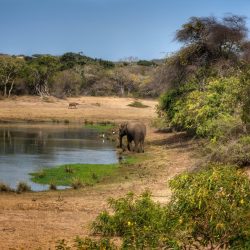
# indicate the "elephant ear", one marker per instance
pixel 123 125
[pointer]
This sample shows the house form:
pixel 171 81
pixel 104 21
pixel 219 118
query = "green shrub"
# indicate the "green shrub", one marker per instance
pixel 224 128
pixel 212 207
pixel 195 110
pixel 137 220
pixel 91 244
pixel 244 96
pixel 146 63
pixel 208 208
pixel 87 244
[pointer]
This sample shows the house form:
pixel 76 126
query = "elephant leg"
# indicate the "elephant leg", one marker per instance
pixel 136 147
pixel 142 146
pixel 129 145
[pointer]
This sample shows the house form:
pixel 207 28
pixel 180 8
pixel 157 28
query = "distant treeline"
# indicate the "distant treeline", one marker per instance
pixel 73 74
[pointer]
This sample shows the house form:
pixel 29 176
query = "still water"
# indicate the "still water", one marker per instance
pixel 26 148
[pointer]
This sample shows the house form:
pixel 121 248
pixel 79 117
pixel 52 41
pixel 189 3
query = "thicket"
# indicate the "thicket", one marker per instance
pixel 72 74
pixel 209 86
pixel 209 209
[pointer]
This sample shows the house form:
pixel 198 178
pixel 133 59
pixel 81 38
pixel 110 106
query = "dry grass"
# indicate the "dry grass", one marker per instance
pixel 30 108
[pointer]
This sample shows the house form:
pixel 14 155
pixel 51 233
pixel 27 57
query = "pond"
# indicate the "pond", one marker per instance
pixel 26 148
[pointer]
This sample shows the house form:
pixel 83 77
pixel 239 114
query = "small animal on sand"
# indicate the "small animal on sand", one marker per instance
pixel 73 105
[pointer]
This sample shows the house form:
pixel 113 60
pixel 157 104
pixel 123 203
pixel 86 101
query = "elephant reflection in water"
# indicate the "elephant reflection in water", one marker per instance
pixel 135 131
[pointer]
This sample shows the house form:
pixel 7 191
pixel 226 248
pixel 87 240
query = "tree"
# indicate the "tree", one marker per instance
pixel 66 83
pixel 70 60
pixel 40 71
pixel 207 42
pixel 10 69
pixel 212 38
pixel 122 81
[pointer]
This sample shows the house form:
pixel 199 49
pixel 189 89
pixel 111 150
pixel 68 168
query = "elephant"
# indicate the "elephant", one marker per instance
pixel 135 131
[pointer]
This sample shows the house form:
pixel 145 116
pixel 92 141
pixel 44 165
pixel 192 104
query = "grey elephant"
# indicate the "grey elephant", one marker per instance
pixel 135 131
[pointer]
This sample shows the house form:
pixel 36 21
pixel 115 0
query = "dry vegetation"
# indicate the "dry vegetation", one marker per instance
pixel 28 108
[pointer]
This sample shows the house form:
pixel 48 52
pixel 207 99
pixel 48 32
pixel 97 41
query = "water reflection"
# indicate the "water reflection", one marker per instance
pixel 27 148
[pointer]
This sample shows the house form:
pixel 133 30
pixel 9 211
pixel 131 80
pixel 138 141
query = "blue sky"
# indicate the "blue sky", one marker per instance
pixel 108 29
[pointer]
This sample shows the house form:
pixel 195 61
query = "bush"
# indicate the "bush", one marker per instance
pixel 212 207
pixel 209 208
pixel 23 187
pixel 146 63
pixel 87 244
pixel 77 183
pixel 52 186
pixel 5 188
pixel 195 110
pixel 235 151
pixel 90 244
pixel 137 220
pixel 224 128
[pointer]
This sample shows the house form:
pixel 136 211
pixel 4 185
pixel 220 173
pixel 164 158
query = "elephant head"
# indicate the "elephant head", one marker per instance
pixel 122 132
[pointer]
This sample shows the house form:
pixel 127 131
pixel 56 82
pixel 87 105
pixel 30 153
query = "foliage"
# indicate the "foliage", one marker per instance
pixel 105 63
pixel 146 63
pixel 70 74
pixel 39 73
pixel 211 48
pixel 90 244
pixel 200 111
pixel 66 83
pixel 245 94
pixel 70 60
pixel 234 151
pixel 137 220
pixel 211 39
pixel 212 206
pixel 87 244
pixel 208 208
pixel 10 70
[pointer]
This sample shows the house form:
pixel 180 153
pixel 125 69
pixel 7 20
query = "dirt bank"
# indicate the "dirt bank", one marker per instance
pixel 38 220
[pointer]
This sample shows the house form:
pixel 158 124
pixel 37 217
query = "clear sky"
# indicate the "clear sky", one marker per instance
pixel 108 29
